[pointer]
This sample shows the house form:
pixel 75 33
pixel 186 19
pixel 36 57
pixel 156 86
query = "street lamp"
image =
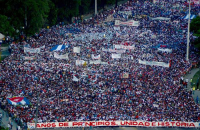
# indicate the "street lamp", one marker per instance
pixel 188 37
pixel 36 117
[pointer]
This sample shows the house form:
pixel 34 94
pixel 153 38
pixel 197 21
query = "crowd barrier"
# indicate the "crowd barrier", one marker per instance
pixel 115 123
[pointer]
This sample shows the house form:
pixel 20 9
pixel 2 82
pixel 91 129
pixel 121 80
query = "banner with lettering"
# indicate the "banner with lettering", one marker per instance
pixel 163 64
pixel 116 56
pixel 97 62
pixel 80 62
pixel 29 58
pixel 113 50
pixel 31 50
pixel 128 23
pixel 76 49
pixel 124 47
pixel 65 56
pixel 165 50
pixel 115 123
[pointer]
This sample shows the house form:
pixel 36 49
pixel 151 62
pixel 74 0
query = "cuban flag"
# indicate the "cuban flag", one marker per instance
pixel 96 57
pixel 191 16
pixel 58 48
pixel 18 101
pixel 117 34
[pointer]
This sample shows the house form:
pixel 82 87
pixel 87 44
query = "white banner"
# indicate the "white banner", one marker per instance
pixel 128 23
pixel 95 61
pixel 116 56
pixel 65 56
pixel 76 49
pixel 80 62
pixel 115 123
pixel 75 78
pixel 29 58
pixel 31 50
pixel 42 47
pixel 163 64
pixel 113 50
pixel 124 47
pixel 165 50
pixel 96 57
pixel 98 62
pixel 116 28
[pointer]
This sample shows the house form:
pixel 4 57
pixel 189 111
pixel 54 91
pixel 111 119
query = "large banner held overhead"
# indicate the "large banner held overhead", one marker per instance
pixel 65 56
pixel 116 56
pixel 115 123
pixel 124 47
pixel 165 50
pixel 113 50
pixel 97 57
pixel 128 23
pixel 151 63
pixel 76 49
pixel 31 50
pixel 80 62
pixel 29 58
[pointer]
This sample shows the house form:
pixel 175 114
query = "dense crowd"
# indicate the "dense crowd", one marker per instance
pixel 100 92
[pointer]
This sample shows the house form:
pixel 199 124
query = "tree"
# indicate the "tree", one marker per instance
pixel 26 16
pixel 195 28
pixel 84 6
pixel 67 9
pixel 53 14
pixel 5 26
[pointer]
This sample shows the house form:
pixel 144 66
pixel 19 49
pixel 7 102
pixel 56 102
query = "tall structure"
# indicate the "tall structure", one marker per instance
pixel 188 37
pixel 95 7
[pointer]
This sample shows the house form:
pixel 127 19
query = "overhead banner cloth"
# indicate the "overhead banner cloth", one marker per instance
pixel 29 58
pixel 128 23
pixel 18 101
pixel 76 49
pixel 124 47
pixel 115 123
pixel 80 62
pixel 116 56
pixel 165 50
pixel 160 18
pixel 31 50
pixel 98 62
pixel 58 48
pixel 163 64
pixel 96 57
pixel 65 56
pixel 113 50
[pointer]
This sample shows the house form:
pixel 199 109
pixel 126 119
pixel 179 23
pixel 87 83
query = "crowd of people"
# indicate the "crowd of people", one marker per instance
pixel 68 91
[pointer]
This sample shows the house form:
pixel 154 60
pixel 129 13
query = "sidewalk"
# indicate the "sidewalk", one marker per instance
pixel 189 76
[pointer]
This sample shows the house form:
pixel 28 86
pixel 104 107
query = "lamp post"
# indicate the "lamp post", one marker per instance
pixel 95 7
pixel 36 116
pixel 188 37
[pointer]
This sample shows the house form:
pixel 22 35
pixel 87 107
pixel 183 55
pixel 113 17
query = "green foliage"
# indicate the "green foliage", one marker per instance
pixel 195 28
pixel 2 128
pixel 53 14
pixel 85 6
pixel 5 26
pixel 110 2
pixel 28 16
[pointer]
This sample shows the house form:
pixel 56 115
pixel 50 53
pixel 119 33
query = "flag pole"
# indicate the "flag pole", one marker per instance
pixel 188 37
